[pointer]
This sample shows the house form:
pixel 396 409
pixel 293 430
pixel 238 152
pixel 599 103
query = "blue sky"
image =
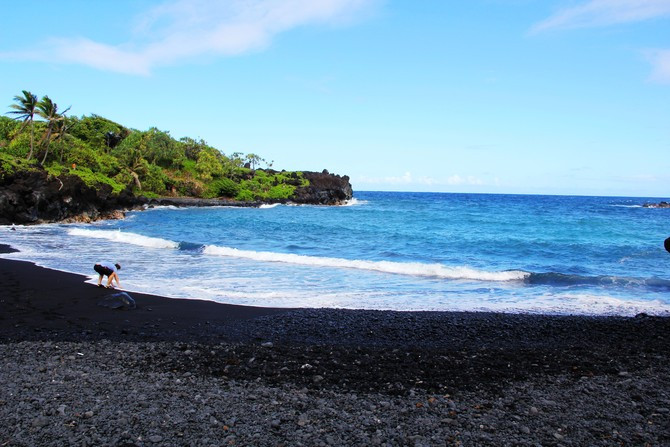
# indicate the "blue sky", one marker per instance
pixel 497 96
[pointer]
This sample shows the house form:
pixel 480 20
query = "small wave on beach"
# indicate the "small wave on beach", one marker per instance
pixel 125 237
pixel 584 304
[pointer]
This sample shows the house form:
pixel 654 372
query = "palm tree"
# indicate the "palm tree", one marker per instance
pixel 25 110
pixel 48 110
pixel 61 129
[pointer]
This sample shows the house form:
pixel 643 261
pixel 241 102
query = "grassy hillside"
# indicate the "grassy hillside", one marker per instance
pixel 151 162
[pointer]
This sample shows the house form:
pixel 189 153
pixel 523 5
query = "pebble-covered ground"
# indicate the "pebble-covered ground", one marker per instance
pixel 195 373
pixel 327 377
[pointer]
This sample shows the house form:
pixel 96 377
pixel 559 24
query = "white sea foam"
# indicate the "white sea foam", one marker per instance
pixel 586 304
pixel 269 205
pixel 128 238
pixel 166 207
pixel 355 202
pixel 401 268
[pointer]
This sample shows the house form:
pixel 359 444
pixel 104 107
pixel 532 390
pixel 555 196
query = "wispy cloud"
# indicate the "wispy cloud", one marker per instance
pixel 660 61
pixel 404 179
pixel 408 179
pixel 604 12
pixel 597 13
pixel 468 180
pixel 180 29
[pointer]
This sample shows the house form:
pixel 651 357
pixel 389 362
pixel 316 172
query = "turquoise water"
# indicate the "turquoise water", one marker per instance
pixel 405 251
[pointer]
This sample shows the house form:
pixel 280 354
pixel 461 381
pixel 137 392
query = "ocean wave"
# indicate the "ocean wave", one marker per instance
pixel 401 268
pixel 128 238
pixel 561 279
pixel 190 246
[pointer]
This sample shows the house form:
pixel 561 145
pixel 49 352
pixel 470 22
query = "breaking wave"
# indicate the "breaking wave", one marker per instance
pixel 401 268
pixel 128 238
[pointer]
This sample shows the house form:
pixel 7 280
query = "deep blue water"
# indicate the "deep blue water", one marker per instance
pixel 407 251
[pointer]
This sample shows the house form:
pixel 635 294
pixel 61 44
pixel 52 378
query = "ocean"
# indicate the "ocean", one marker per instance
pixel 384 250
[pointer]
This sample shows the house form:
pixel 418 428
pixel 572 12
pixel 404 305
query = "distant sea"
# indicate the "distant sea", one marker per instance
pixel 384 250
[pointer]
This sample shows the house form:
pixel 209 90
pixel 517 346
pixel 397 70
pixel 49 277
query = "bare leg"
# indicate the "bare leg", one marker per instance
pixel 113 277
pixel 99 280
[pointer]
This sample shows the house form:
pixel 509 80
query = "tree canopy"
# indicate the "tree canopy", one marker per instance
pixel 151 162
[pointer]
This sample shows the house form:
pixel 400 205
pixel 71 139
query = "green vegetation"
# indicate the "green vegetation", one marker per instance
pixel 151 162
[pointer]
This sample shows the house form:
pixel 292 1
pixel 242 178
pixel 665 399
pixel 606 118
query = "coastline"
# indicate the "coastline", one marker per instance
pixel 34 197
pixel 311 376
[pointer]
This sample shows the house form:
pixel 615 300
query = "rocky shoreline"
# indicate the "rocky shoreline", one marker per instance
pixel 661 204
pixel 188 372
pixel 34 197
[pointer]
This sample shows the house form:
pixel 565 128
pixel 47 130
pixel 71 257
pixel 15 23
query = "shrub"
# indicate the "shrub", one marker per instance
pixel 8 127
pixel 20 146
pixel 245 196
pixel 154 180
pixel 222 187
pixel 82 155
pixel 281 191
pixel 99 132
pixel 94 179
pixel 10 165
pixel 208 165
pixel 189 167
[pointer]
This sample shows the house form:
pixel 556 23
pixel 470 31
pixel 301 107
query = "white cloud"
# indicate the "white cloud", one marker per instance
pixel 179 29
pixel 604 12
pixel 404 179
pixel 660 61
pixel 469 180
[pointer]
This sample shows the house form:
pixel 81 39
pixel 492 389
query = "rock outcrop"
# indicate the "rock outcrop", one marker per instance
pixel 324 189
pixel 31 197
pixel 657 205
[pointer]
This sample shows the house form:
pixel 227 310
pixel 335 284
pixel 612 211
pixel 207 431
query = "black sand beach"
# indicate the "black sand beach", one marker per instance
pixel 191 372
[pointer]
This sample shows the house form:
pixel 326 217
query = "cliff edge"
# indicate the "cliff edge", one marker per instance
pixel 34 197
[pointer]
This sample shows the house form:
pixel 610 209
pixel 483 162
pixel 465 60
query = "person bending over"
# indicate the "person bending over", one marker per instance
pixel 110 271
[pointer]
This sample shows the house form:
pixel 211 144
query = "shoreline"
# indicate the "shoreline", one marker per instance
pixel 185 314
pixel 317 376
pixel 41 300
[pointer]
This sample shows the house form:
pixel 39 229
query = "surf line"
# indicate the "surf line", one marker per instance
pixel 399 268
